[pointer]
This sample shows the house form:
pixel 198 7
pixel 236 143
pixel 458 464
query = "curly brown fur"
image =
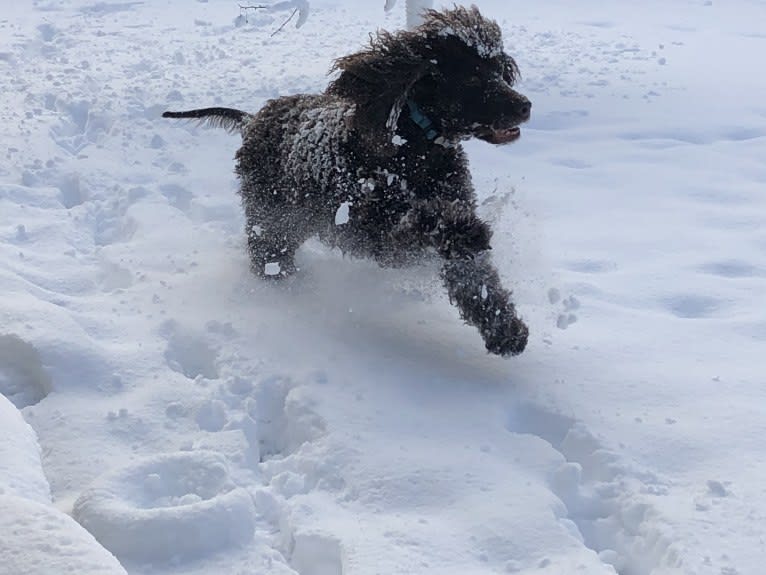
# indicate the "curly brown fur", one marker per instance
pixel 383 143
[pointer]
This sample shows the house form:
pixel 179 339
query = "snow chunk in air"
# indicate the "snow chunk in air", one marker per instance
pixel 342 215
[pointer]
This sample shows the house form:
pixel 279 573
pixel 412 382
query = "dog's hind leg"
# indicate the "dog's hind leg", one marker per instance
pixel 473 285
pixel 272 242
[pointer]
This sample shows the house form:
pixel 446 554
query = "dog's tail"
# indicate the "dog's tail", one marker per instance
pixel 229 119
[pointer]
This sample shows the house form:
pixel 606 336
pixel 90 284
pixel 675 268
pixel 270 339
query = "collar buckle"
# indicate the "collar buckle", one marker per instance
pixel 423 121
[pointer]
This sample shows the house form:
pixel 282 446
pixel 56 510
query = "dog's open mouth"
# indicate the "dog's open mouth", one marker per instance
pixel 499 135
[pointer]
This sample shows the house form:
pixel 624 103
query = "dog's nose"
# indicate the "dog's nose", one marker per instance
pixel 525 109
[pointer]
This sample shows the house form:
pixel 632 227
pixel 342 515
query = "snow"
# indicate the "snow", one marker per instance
pixel 342 213
pixel 166 407
pixel 21 471
pixel 38 539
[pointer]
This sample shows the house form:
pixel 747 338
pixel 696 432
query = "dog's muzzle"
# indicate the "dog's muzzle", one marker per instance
pixel 516 112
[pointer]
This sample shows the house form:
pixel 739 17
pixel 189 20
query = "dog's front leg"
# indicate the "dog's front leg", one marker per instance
pixel 473 285
pixel 462 240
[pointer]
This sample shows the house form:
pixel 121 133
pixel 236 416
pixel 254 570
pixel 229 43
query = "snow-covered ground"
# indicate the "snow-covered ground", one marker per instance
pixel 195 420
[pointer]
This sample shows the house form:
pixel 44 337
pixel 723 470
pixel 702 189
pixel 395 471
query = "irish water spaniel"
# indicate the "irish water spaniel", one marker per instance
pixel 374 165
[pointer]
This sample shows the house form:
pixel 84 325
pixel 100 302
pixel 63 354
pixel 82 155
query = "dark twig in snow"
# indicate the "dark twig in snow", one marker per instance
pixel 275 32
pixel 245 8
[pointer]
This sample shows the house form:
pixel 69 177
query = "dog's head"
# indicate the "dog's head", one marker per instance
pixel 450 75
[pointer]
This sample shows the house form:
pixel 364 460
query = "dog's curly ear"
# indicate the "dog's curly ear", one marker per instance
pixel 379 80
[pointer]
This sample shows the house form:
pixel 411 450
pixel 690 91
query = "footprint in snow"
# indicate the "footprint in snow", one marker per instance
pixel 569 304
pixel 170 507
pixel 79 125
pixel 730 269
pixel 177 196
pixel 691 306
pixel 281 417
pixel 23 379
pixel 189 353
pixel 589 266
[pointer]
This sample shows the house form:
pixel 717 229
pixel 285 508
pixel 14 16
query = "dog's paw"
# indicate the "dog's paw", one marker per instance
pixel 507 338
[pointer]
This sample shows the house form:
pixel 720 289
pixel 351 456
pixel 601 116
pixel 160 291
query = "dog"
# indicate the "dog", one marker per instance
pixel 374 165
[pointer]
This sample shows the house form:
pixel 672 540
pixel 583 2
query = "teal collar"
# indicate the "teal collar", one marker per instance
pixel 423 121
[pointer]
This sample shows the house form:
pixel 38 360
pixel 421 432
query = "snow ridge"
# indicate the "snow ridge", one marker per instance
pixel 602 497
